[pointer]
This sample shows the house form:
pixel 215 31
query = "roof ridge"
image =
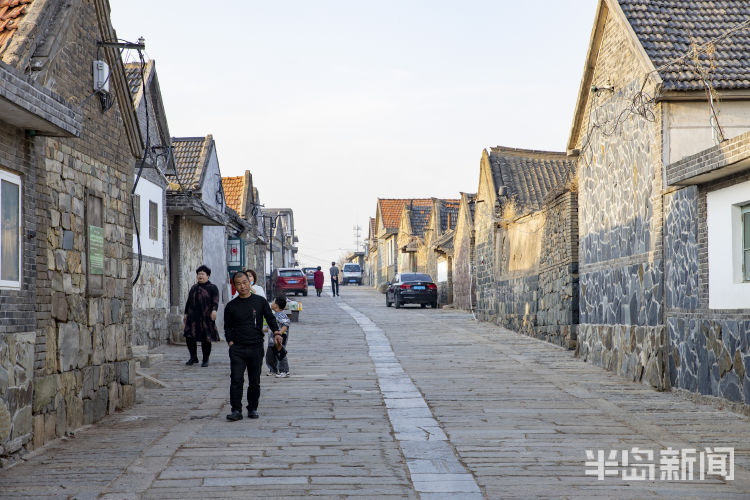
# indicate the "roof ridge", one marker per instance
pixel 521 151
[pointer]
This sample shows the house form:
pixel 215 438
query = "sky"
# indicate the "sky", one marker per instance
pixel 332 104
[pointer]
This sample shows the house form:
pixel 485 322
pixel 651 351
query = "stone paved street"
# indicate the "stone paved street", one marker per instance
pixel 445 408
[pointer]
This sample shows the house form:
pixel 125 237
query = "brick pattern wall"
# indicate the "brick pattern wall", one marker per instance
pixel 17 307
pixel 709 160
pixel 620 185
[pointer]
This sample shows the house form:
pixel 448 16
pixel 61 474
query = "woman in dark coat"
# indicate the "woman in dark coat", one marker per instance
pixel 200 316
pixel 318 280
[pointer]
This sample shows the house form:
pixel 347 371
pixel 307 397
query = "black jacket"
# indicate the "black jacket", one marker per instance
pixel 243 320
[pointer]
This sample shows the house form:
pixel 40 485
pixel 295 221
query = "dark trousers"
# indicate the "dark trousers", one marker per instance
pixel 335 286
pixel 273 363
pixel 192 346
pixel 241 358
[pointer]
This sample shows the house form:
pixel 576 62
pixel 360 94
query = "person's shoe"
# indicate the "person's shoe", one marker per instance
pixel 282 375
pixel 252 414
pixel 234 416
pixel 191 361
pixel 204 364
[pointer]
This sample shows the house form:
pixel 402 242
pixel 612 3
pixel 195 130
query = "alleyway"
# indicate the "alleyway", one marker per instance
pixel 505 416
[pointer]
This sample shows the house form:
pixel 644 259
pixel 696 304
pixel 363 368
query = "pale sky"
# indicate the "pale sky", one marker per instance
pixel 332 104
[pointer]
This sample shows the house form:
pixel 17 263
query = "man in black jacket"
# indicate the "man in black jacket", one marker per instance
pixel 243 329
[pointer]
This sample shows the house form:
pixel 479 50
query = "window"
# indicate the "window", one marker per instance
pixel 153 221
pixel 10 230
pixel 745 217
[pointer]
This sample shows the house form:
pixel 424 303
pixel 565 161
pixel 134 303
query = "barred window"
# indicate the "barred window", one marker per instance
pixel 10 230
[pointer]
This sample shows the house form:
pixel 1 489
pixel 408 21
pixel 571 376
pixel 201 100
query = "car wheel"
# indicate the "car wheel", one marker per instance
pixel 304 293
pixel 434 304
pixel 422 305
pixel 396 302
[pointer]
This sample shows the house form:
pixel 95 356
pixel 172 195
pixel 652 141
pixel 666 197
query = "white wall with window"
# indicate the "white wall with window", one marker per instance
pixel 10 230
pixel 148 210
pixel 728 223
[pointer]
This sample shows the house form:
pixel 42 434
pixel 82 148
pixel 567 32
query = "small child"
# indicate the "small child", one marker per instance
pixel 276 358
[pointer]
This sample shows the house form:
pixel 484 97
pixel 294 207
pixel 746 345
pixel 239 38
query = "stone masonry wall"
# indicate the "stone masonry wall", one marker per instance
pixel 557 307
pixel 620 182
pixel 191 251
pixel 83 365
pixel 17 307
pixel 709 349
pixel 151 305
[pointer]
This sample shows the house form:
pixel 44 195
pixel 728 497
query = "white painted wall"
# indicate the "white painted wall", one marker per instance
pixel 688 130
pixel 148 191
pixel 215 238
pixel 726 290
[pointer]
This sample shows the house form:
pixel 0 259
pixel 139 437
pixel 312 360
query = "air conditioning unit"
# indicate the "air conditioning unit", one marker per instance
pixel 101 76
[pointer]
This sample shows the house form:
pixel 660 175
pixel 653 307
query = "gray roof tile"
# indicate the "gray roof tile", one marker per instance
pixel 189 158
pixel 665 29
pixel 529 175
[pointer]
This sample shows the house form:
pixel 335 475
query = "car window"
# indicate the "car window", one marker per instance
pixel 290 273
pixel 415 277
pixel 351 268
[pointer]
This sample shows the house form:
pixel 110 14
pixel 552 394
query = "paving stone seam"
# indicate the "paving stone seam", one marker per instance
pixel 408 411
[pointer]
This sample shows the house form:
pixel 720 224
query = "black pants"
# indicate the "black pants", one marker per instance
pixel 192 346
pixel 335 286
pixel 241 358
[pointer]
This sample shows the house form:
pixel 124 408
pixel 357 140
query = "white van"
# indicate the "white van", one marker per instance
pixel 352 273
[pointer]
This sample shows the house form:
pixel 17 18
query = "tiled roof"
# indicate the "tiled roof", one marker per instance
pixel 372 227
pixel 190 155
pixel 529 175
pixel 665 29
pixel 448 214
pixel 133 73
pixel 233 187
pixel 471 199
pixel 11 16
pixel 419 215
pixel 390 212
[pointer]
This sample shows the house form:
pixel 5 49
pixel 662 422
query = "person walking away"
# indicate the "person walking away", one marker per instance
pixel 318 278
pixel 276 353
pixel 334 270
pixel 200 316
pixel 243 328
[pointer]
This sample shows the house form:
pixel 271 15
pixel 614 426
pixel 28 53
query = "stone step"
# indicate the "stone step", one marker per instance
pixel 151 359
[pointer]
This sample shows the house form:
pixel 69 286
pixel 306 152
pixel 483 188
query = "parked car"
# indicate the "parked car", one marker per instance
pixel 290 280
pixel 309 271
pixel 351 273
pixel 411 288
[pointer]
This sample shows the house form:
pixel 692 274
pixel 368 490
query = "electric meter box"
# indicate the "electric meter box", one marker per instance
pixel 101 76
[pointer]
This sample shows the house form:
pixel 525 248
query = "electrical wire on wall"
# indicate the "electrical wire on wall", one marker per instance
pixel 146 154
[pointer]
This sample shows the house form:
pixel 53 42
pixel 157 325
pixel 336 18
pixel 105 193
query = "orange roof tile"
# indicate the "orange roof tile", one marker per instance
pixel 233 187
pixel 390 209
pixel 11 13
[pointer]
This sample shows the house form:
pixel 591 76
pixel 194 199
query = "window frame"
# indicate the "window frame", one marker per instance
pixel 16 180
pixel 153 211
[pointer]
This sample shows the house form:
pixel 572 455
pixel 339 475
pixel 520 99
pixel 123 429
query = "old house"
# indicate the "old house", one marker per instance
pixel 660 205
pixel 464 275
pixel 371 254
pixel 526 263
pixel 197 225
pixel 247 250
pixel 282 248
pixel 66 169
pixel 437 250
pixel 414 221
pixel 150 248
pixel 387 221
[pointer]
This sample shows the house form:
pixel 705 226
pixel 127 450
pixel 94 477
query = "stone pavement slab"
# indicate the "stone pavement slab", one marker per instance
pixel 386 403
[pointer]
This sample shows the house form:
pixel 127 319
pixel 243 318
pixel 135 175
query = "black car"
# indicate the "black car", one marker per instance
pixel 309 271
pixel 411 288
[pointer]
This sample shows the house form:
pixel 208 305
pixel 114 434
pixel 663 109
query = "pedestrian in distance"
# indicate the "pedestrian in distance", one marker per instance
pixel 318 278
pixel 243 328
pixel 334 271
pixel 276 353
pixel 200 316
